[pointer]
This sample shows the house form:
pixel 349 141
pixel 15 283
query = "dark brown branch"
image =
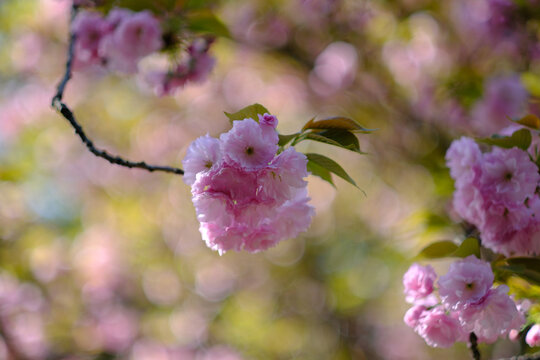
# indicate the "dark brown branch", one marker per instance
pixel 473 346
pixel 67 113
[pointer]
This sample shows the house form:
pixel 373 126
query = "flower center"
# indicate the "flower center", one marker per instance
pixel 470 286
pixel 250 150
pixel 208 164
pixel 508 176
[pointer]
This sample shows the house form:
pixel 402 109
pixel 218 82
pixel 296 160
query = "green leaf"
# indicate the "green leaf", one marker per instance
pixel 526 268
pixel 438 249
pixel 530 120
pixel 319 171
pixel 331 166
pixel 469 246
pixel 285 139
pixel 342 123
pixel 206 22
pixel 345 138
pixel 521 139
pixel 337 137
pixel 316 137
pixel 251 111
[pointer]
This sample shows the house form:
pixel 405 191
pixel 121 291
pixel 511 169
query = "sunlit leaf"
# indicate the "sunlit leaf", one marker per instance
pixel 251 111
pixel 342 123
pixel 530 120
pixel 331 166
pixel 206 22
pixel 521 139
pixel 319 171
pixel 469 246
pixel 438 249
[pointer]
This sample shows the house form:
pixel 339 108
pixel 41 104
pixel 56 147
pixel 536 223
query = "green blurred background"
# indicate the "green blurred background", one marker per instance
pixel 99 261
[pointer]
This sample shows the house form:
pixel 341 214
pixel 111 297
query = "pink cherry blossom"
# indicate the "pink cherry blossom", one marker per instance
pixel 439 329
pixel 508 175
pixel 245 146
pixel 492 316
pixel 269 120
pixel 418 282
pixel 467 281
pixel 462 157
pixel 202 155
pixel 89 29
pixel 134 37
pixel 533 336
pixel 244 203
pixel 504 97
pixel 413 315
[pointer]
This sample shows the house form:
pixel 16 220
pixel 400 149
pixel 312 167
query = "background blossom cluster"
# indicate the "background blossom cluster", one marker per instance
pixel 246 196
pixel 497 193
pixel 121 39
pixel 466 303
pixel 118 41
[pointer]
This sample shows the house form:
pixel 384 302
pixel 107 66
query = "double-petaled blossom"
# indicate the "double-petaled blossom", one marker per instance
pixel 465 303
pixel 496 192
pixel 418 283
pixel 247 197
pixel 466 282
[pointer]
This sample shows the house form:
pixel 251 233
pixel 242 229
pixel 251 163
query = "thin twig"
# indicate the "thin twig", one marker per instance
pixel 473 346
pixel 67 113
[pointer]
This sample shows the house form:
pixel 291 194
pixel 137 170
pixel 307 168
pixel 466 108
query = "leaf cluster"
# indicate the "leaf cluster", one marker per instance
pixel 336 131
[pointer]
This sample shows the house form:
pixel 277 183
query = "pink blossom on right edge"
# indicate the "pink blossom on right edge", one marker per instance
pixel 496 192
pixel 533 336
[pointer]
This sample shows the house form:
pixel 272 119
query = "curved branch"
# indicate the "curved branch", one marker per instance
pixel 67 113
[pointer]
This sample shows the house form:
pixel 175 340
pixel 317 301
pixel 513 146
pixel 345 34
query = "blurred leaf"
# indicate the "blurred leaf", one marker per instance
pixel 531 82
pixel 530 120
pixel 342 123
pixel 251 111
pixel 285 139
pixel 469 246
pixel 196 4
pixel 206 22
pixel 317 170
pixel 331 166
pixel 527 268
pixel 438 249
pixel 521 139
pixel 156 6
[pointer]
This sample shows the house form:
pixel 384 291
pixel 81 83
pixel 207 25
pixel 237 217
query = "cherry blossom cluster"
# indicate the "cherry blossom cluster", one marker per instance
pixel 118 41
pixel 497 192
pixel 121 39
pixel 245 194
pixel 195 67
pixel 466 303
